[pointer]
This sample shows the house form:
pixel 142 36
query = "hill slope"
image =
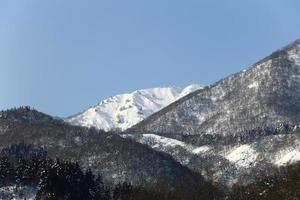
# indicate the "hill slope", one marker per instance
pixel 116 158
pixel 265 95
pixel 237 128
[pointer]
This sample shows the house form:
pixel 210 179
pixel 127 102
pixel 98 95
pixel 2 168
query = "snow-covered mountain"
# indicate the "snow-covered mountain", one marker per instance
pixel 266 94
pixel 125 110
pixel 239 126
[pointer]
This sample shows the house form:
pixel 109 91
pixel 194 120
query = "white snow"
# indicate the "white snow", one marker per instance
pixel 161 143
pixel 189 89
pixel 202 149
pixel 125 110
pixel 287 157
pixel 242 156
pixel 156 141
pixel 253 85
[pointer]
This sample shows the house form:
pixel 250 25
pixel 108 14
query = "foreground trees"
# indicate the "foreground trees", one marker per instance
pixel 284 183
pixel 24 165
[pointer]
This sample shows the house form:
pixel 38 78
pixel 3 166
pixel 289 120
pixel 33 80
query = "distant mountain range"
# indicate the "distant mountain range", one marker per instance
pixel 125 110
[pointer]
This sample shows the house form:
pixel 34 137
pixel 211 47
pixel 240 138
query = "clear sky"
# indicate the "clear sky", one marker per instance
pixel 62 56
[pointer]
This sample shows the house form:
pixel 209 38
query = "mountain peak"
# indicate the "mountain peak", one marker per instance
pixel 125 110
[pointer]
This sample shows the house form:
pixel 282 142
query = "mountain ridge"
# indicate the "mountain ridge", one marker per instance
pixel 284 60
pixel 117 159
pixel 124 110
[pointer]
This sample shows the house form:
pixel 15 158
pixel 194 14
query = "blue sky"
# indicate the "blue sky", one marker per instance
pixel 63 56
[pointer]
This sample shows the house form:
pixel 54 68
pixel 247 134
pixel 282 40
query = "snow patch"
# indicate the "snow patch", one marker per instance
pixel 161 143
pixel 242 156
pixel 202 149
pixel 288 156
pixel 254 85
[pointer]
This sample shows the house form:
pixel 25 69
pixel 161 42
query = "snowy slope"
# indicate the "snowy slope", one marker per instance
pixel 247 123
pixel 227 164
pixel 125 110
